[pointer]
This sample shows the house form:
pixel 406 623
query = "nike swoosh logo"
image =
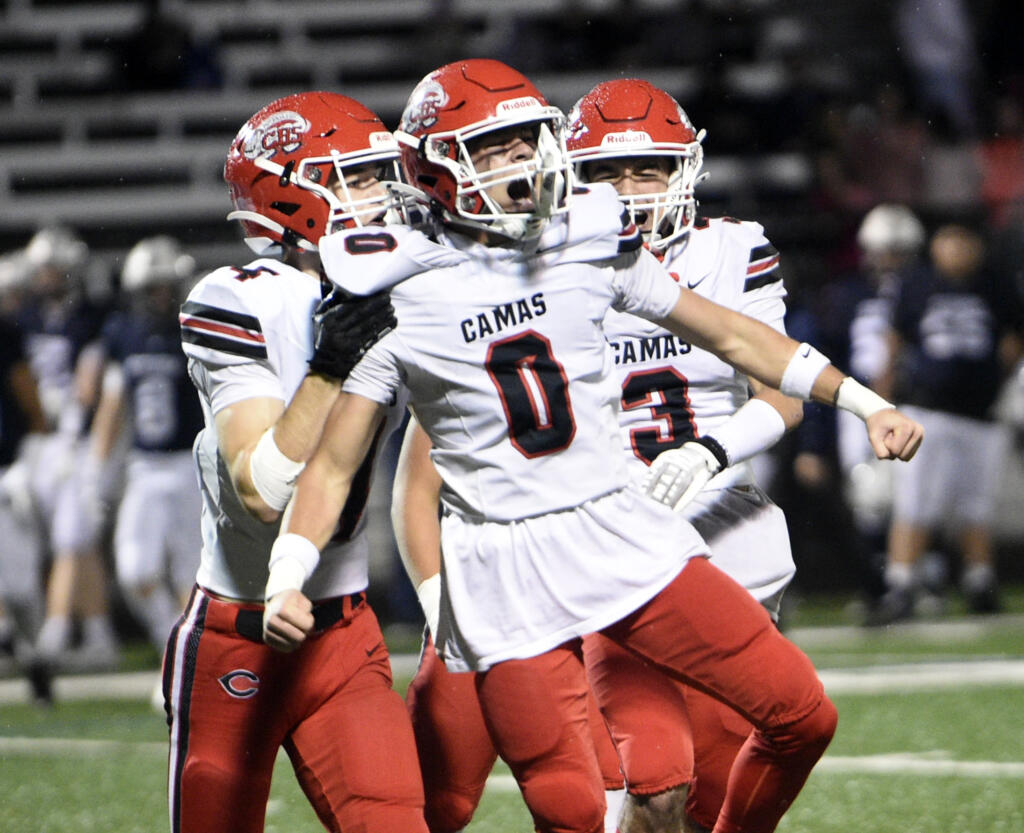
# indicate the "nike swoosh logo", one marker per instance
pixel 806 351
pixel 371 651
pixel 692 284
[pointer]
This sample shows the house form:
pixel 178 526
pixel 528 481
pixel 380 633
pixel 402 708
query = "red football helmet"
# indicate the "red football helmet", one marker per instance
pixel 631 117
pixel 281 165
pixel 460 102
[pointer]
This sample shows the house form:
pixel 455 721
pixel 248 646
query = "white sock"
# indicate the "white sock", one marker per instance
pixel 54 636
pixel 97 630
pixel 614 799
pixel 899 576
pixel 978 577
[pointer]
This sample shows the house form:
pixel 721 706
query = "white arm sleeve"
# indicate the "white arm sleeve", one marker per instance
pixel 754 427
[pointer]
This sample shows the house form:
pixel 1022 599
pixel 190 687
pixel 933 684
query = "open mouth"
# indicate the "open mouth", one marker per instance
pixel 519 190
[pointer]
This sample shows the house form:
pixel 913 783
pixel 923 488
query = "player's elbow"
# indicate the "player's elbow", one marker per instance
pixel 255 505
pixel 258 508
pixel 792 411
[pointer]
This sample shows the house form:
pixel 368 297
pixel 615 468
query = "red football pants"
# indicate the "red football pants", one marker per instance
pixel 703 629
pixel 455 749
pixel 234 702
pixel 667 733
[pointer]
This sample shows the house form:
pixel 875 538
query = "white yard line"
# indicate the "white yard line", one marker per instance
pixel 876 679
pixel 903 763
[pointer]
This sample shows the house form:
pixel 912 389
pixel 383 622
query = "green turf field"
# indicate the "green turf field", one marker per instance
pixel 930 740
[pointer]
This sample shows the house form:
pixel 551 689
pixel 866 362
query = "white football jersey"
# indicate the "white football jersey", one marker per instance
pixel 248 332
pixel 509 373
pixel 672 391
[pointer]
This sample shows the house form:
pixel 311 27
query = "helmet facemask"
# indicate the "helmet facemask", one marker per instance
pixel 628 118
pixel 309 164
pixel 317 175
pixel 673 211
pixel 542 178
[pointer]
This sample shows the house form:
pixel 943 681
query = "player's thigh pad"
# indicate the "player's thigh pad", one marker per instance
pixel 536 711
pixel 354 754
pixel 646 714
pixel 706 630
pixel 455 751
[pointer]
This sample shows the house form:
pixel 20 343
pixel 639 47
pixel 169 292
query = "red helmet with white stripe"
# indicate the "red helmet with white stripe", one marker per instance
pixel 629 117
pixel 288 160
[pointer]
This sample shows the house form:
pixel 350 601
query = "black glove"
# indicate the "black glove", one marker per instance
pixel 345 326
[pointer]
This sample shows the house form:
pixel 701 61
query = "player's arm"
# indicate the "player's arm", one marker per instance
pixel 676 476
pixel 23 386
pixel 796 370
pixel 312 516
pixel 415 500
pixel 100 468
pixel 265 443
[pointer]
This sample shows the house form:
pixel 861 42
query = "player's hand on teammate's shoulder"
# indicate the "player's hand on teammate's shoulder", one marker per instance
pixel 345 326
pixel 287 620
pixel 894 435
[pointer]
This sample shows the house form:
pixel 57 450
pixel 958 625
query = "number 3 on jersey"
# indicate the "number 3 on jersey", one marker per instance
pixel 534 392
pixel 665 393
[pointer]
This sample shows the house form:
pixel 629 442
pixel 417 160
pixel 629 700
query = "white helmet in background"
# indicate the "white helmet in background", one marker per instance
pixel 56 247
pixel 891 227
pixel 156 260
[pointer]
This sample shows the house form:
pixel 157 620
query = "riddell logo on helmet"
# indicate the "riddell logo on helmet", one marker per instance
pixel 631 138
pixel 383 139
pixel 514 105
pixel 282 132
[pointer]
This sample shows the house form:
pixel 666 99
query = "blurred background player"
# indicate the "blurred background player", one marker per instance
pixel 677 396
pixel 956 337
pixel 62 325
pixel 23 427
pixel 149 404
pixel 267 376
pixel 855 318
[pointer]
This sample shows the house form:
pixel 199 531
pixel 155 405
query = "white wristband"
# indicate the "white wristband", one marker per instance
pixel 429 593
pixel 755 426
pixel 292 560
pixel 804 367
pixel 852 396
pixel 273 475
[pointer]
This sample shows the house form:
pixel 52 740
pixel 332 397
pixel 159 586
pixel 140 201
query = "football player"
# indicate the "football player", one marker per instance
pixel 637 137
pixel 676 395
pixel 24 429
pixel 147 397
pixel 267 352
pixel 956 336
pixel 544 540
pixel 62 325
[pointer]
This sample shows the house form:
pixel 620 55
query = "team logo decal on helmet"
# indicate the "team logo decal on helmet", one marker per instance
pixel 448 112
pixel 424 104
pixel 288 168
pixel 280 132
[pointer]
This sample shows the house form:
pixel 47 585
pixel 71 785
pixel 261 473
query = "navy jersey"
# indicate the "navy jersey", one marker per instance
pixel 165 410
pixel 55 336
pixel 12 420
pixel 951 336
